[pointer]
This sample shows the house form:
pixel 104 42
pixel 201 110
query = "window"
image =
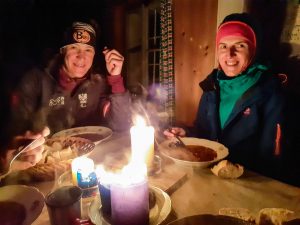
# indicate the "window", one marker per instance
pixel 143 44
pixel 153 45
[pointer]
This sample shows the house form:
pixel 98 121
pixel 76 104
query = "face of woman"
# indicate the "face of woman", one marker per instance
pixel 78 59
pixel 233 55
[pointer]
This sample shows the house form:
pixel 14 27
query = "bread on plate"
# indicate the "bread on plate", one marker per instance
pixel 228 170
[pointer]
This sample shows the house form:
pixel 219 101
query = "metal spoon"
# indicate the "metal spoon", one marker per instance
pixel 16 153
pixel 179 143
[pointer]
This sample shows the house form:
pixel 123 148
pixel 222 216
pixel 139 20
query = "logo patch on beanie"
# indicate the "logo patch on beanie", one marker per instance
pixel 81 36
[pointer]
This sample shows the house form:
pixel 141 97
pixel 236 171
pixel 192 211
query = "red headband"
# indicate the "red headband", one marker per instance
pixel 237 29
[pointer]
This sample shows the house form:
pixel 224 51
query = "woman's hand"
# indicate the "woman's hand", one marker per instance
pixel 33 154
pixel 114 61
pixel 171 132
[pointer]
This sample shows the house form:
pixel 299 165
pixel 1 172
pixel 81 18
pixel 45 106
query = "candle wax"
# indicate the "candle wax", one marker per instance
pixel 142 144
pixel 130 204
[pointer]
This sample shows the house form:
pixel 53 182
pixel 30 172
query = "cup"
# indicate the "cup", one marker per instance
pixel 105 199
pixel 64 205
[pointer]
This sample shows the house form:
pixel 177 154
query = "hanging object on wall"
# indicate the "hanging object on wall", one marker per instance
pixel 167 79
pixel 291 29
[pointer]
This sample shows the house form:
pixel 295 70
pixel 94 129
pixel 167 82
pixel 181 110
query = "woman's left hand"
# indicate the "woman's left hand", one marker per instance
pixel 114 61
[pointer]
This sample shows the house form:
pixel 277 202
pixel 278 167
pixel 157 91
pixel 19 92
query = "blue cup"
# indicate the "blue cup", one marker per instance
pixel 105 199
pixel 88 184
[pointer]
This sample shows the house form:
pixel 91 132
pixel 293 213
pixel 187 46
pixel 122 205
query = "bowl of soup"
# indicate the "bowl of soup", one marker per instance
pixel 197 152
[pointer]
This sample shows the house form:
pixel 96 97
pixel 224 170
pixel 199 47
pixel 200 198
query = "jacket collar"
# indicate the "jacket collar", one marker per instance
pixel 210 82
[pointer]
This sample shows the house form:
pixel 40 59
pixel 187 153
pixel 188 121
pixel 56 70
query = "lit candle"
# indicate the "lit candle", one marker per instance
pixel 142 142
pixel 84 176
pixel 83 164
pixel 130 197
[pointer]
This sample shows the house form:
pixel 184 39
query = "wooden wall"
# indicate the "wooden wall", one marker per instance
pixel 194 49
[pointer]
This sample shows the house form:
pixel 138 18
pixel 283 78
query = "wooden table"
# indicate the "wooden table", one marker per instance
pixel 198 191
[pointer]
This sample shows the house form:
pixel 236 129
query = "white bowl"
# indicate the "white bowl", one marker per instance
pixel 220 149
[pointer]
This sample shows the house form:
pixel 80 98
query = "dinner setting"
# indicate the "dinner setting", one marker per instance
pixel 86 190
pixel 157 112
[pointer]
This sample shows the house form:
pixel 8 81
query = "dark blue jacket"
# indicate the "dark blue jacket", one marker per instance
pixel 250 131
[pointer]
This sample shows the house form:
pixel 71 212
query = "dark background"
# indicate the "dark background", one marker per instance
pixel 31 30
pixel 31 33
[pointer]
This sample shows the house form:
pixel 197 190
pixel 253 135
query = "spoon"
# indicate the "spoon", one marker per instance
pixel 16 153
pixel 180 143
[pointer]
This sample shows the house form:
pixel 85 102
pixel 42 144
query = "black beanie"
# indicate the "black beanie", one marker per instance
pixel 80 33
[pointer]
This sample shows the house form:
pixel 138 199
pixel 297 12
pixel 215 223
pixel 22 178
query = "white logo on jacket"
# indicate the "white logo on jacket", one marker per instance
pixel 57 101
pixel 83 100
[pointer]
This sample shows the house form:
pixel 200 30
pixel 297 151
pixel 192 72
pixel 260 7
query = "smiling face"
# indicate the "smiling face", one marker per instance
pixel 78 59
pixel 234 55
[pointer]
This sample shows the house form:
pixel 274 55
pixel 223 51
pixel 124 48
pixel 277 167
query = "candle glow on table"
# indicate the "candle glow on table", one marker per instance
pixel 142 142
pixel 83 173
pixel 84 164
pixel 130 196
pixel 128 189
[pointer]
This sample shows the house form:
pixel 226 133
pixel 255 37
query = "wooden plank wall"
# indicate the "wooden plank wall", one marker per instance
pixel 194 48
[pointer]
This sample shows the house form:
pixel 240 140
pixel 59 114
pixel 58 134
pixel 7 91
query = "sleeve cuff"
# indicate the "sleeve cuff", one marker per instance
pixel 116 83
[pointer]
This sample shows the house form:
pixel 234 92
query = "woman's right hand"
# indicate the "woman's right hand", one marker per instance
pixel 171 132
pixel 114 61
pixel 33 154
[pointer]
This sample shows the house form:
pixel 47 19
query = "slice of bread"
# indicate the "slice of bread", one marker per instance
pixel 273 216
pixel 240 213
pixel 228 170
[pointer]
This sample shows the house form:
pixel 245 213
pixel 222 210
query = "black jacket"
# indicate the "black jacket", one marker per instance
pixel 41 101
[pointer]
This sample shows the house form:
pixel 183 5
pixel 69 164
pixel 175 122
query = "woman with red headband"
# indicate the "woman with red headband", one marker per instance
pixel 242 103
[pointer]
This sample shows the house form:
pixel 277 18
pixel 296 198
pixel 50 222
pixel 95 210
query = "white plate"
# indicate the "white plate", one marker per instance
pixel 157 214
pixel 220 149
pixel 74 146
pixel 30 197
pixel 96 134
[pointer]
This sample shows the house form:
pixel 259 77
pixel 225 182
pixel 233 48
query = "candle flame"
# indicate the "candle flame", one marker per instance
pixel 104 177
pixel 136 171
pixel 132 173
pixel 139 121
pixel 83 164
